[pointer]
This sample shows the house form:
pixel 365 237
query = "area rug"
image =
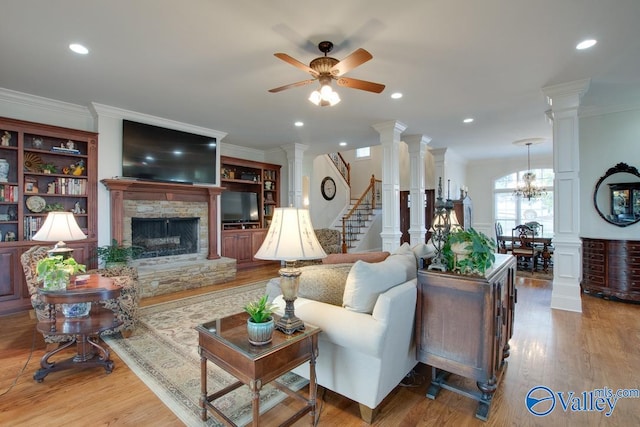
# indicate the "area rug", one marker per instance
pixel 163 353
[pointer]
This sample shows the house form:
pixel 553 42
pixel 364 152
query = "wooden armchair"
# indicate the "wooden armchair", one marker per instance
pixel 125 306
pixel 503 246
pixel 524 248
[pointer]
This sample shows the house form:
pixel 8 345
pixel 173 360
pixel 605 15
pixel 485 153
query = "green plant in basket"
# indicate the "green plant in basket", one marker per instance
pixel 116 253
pixel 260 311
pixel 55 271
pixel 469 252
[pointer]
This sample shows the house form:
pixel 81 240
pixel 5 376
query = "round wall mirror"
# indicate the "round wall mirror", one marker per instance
pixel 617 195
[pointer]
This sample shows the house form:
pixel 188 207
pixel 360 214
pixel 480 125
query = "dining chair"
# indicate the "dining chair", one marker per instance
pixel 523 247
pixel 503 245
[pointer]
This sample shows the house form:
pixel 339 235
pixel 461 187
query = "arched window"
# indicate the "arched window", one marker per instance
pixel 510 210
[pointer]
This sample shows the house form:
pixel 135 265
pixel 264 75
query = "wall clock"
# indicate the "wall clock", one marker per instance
pixel 328 188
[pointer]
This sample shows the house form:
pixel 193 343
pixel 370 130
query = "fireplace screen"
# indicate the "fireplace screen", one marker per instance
pixel 165 236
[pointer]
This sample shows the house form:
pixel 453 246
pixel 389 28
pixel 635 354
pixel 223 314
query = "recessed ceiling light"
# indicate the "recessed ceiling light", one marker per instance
pixel 586 44
pixel 299 124
pixel 396 95
pixel 78 48
pixel 343 144
pixel 468 120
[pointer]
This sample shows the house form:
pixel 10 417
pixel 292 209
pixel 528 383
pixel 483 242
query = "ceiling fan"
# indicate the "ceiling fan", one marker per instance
pixel 325 68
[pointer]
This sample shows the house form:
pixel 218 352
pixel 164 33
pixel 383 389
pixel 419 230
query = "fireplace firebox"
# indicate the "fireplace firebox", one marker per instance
pixel 157 237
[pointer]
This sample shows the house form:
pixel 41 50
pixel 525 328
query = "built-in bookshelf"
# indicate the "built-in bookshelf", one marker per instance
pixel 43 168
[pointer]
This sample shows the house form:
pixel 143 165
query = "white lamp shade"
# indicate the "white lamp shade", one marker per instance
pixel 290 237
pixel 59 226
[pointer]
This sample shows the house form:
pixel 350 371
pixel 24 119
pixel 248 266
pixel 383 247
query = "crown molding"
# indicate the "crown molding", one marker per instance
pixel 47 104
pixel 120 113
pixel 592 111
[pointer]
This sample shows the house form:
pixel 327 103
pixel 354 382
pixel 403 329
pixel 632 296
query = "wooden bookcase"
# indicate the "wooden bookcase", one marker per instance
pixel 241 240
pixel 41 161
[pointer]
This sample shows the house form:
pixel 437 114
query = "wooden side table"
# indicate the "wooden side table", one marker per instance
pixel 463 327
pixel 83 331
pixel 225 343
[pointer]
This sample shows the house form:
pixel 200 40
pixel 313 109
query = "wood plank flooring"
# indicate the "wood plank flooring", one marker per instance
pixel 562 350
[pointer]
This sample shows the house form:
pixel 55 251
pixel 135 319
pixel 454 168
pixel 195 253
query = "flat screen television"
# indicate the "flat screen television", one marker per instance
pixel 158 154
pixel 239 206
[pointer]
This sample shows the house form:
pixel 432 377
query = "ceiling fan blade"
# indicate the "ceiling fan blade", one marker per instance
pixel 360 84
pixel 289 86
pixel 358 57
pixel 296 63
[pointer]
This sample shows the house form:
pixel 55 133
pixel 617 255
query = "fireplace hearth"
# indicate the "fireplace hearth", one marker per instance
pixel 157 237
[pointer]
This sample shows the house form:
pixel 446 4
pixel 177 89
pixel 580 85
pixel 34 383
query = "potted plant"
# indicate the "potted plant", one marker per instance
pixel 260 323
pixel 49 168
pixel 55 271
pixel 116 254
pixel 469 252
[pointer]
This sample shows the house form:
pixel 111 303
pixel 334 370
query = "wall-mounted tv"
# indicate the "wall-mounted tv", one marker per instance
pixel 158 154
pixel 239 206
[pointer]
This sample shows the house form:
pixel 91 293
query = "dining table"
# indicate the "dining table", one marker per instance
pixel 542 241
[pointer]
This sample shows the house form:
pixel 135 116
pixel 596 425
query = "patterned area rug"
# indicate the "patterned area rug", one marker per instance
pixel 163 353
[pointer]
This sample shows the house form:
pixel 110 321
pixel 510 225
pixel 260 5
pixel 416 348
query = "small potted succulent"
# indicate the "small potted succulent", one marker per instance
pixel 116 254
pixel 260 324
pixel 469 252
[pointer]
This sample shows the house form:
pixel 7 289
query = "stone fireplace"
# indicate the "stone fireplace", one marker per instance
pixel 158 237
pixel 177 226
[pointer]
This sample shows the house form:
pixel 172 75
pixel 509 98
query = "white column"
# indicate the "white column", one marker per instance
pixel 295 157
pixel 390 141
pixel 567 255
pixel 417 145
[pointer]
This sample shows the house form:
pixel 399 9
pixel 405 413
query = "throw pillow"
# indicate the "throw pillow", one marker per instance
pixel 405 256
pixel 368 280
pixel 353 257
pixel 324 283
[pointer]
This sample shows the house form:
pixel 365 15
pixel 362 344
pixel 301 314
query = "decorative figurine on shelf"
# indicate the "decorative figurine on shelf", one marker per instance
pixel 37 143
pixel 77 209
pixel 76 169
pixel 6 138
pixel 10 236
pixel 70 145
pixel 13 214
pixel 51 188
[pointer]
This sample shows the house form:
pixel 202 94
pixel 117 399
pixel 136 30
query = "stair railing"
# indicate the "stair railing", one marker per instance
pixel 343 167
pixel 354 220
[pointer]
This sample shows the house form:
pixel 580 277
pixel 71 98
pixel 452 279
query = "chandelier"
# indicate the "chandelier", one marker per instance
pixel 528 187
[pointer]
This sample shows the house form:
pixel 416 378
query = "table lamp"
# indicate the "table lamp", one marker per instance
pixel 290 238
pixel 57 227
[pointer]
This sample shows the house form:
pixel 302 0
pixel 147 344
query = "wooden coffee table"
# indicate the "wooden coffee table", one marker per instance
pixel 224 342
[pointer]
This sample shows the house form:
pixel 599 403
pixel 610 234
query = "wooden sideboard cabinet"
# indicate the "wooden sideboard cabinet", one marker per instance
pixel 463 327
pixel 611 268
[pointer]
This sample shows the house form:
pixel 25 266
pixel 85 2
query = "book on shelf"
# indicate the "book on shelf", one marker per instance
pixel 31 224
pixel 8 193
pixel 65 150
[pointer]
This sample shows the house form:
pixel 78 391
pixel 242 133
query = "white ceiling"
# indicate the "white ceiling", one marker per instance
pixel 210 63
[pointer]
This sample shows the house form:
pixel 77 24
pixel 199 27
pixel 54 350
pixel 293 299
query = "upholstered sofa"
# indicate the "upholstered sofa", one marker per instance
pixel 366 312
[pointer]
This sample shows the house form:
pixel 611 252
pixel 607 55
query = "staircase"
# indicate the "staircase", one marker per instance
pixel 355 226
pixel 359 216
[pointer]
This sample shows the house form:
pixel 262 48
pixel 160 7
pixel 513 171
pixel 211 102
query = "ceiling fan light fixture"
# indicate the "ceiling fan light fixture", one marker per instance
pixel 315 97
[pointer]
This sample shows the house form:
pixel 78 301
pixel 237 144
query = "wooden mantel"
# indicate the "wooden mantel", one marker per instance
pixel 126 189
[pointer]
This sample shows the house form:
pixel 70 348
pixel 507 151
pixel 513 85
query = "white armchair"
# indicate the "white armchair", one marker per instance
pixel 363 356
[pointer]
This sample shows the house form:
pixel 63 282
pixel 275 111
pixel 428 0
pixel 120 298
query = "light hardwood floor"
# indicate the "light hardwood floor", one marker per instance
pixel 567 352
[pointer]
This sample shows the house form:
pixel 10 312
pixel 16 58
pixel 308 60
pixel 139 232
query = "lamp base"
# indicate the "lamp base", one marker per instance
pixel 61 249
pixel 289 283
pixel 289 323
